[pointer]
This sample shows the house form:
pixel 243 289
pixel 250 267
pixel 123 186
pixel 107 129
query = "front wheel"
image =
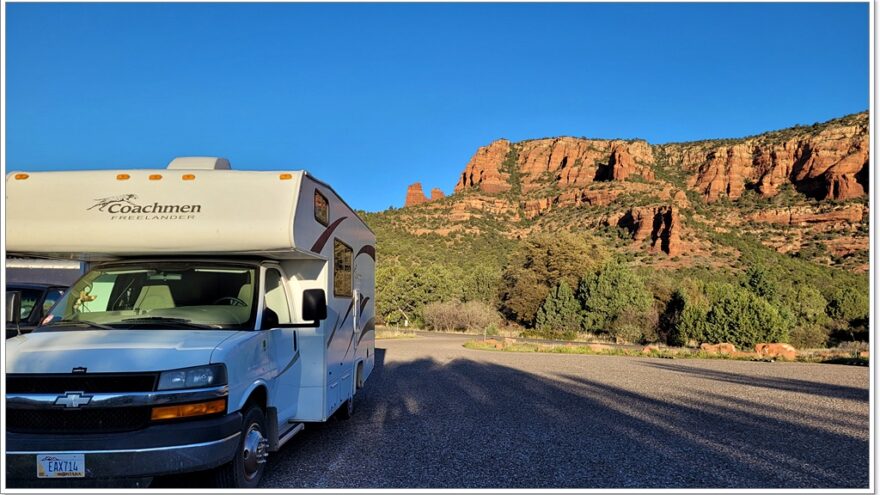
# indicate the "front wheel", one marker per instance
pixel 247 466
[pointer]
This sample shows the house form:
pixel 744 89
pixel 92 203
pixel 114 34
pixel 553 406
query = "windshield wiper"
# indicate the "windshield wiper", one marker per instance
pixel 162 320
pixel 71 323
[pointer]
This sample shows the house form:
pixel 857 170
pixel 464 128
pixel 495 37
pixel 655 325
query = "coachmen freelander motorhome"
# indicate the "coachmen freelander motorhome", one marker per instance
pixel 222 311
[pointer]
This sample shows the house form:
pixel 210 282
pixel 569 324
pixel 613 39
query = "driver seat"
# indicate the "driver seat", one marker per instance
pixel 246 293
pixel 154 297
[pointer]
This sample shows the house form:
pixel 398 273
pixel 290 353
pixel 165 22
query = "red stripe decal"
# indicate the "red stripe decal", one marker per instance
pixel 319 244
pixel 338 324
pixel 369 251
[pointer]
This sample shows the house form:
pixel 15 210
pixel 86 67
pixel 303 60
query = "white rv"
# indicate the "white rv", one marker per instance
pixel 223 310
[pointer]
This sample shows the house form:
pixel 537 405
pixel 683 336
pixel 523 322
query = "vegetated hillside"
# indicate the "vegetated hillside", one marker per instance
pixel 787 208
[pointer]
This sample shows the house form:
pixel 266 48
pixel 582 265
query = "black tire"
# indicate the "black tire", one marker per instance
pixel 346 410
pixel 244 470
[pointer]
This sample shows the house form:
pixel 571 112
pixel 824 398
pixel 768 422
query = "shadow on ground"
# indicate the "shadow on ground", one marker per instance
pixel 462 423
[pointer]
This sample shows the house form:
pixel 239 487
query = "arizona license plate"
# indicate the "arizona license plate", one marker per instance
pixel 61 465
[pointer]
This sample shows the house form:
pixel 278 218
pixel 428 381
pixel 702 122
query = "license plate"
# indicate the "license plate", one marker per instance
pixel 61 465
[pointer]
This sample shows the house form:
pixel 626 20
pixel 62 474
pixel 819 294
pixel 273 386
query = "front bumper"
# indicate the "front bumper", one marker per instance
pixel 157 450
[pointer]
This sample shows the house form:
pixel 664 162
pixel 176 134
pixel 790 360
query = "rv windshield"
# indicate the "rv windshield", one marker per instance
pixel 161 295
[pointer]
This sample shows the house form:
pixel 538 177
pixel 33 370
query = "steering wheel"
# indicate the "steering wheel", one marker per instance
pixel 233 301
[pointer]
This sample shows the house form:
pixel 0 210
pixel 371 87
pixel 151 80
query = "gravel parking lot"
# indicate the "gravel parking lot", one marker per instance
pixel 434 414
pixel 437 415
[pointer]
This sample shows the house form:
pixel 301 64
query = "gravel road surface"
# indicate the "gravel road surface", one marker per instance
pixel 436 415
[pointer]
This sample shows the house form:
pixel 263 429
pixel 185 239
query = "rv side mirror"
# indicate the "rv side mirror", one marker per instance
pixel 314 306
pixel 13 307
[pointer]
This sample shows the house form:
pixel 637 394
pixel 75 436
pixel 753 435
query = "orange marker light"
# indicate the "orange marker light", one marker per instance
pixel 285 176
pixel 188 177
pixel 155 177
pixel 188 410
pixel 122 177
pixel 21 176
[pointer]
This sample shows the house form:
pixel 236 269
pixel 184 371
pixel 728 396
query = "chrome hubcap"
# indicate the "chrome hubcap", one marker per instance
pixel 254 451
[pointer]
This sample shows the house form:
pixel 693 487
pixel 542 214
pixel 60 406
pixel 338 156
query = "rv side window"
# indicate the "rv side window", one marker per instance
pixel 322 209
pixel 276 298
pixel 341 269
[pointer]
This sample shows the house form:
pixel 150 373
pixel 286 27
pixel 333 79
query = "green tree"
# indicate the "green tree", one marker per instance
pixel 609 291
pixel 560 315
pixel 481 284
pixel 809 336
pixel 761 282
pixel 742 318
pixel 386 290
pixel 848 304
pixel 717 312
pixel 684 317
pixel 538 264
pixel 405 291
pixel 806 304
pixel 692 326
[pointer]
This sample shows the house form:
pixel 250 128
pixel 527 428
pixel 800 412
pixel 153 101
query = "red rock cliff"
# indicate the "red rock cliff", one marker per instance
pixel 828 163
pixel 483 171
pixel 566 161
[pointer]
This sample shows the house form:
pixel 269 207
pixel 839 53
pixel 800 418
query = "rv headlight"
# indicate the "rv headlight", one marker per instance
pixel 198 377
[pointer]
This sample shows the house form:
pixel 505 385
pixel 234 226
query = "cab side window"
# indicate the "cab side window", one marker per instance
pixel 276 298
pixel 51 298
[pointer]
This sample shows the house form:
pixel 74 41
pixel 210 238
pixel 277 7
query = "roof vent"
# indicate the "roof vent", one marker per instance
pixel 199 163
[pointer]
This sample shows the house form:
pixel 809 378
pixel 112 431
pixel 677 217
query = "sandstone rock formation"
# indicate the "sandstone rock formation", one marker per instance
pixel 849 214
pixel 483 171
pixel 645 188
pixel 565 162
pixel 623 165
pixel 415 195
pixel 830 163
pixel 784 351
pixel 723 348
pixel 660 225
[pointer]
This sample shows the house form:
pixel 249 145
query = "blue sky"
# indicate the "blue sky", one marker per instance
pixel 371 98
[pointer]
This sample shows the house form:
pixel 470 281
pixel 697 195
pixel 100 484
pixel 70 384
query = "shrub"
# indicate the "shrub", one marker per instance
pixel 743 319
pixel 690 325
pixel 491 330
pixel 608 292
pixel 403 290
pixel 481 284
pixel 718 312
pixel 635 326
pixel 760 282
pixel 538 264
pixel 454 315
pixel 440 316
pixel 806 304
pixel 848 304
pixel 560 315
pixel 809 336
pixel 477 315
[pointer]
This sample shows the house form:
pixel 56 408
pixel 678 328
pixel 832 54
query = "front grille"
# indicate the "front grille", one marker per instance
pixel 80 382
pixel 87 420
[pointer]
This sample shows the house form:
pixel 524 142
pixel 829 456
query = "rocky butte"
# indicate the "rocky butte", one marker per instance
pixel 813 179
pixel 416 196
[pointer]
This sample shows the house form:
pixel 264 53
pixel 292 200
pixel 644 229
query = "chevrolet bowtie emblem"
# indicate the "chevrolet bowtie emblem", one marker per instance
pixel 73 399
